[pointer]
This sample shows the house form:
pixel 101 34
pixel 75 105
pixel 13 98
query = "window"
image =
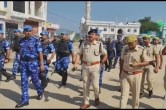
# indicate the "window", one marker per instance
pixel 135 30
pixel 105 29
pixel 1 27
pixel 5 4
pixel 128 30
pixel 19 6
pixel 112 29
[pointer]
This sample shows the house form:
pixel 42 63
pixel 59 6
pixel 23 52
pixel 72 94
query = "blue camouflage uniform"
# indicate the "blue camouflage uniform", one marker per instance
pixel 4 45
pixel 63 60
pixel 48 48
pixel 16 64
pixel 29 64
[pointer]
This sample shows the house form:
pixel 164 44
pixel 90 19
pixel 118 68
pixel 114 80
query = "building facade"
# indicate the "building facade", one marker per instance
pixel 112 29
pixel 50 27
pixel 16 14
pixel 107 28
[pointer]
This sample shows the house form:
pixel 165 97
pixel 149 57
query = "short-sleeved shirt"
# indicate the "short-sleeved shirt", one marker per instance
pixel 159 49
pixel 48 49
pixel 5 46
pixel 91 52
pixel 133 56
pixel 71 47
pixel 30 47
pixel 152 50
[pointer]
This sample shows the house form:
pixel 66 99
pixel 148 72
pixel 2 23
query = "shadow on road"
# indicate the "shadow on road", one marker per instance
pixel 110 87
pixel 30 84
pixel 10 94
pixel 66 98
pixel 146 106
pixel 68 85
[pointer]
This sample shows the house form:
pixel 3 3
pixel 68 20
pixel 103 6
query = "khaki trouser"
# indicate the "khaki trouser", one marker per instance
pixel 165 79
pixel 90 74
pixel 133 83
pixel 149 74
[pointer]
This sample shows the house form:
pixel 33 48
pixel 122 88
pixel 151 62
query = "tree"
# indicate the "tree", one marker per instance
pixel 148 25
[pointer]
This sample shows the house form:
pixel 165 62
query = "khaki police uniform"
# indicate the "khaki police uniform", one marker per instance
pixel 131 76
pixel 151 51
pixel 91 67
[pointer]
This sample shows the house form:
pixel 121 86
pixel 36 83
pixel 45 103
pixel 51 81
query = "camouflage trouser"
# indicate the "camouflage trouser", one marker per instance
pixel 61 67
pixel 2 62
pixel 16 64
pixel 29 69
pixel 101 75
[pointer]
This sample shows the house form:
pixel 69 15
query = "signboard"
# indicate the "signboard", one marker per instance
pixel 50 25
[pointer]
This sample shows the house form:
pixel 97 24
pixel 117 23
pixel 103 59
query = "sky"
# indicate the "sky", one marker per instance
pixel 68 14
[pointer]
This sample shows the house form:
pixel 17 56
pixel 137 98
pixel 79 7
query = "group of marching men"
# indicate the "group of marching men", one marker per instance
pixel 33 56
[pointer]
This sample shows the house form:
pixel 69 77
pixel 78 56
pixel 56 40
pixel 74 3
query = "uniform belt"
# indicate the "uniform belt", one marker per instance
pixel 29 59
pixel 90 64
pixel 133 73
pixel 45 56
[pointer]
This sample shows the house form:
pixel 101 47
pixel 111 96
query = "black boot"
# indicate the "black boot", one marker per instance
pixel 7 75
pixel 115 62
pixel 150 93
pixel 21 104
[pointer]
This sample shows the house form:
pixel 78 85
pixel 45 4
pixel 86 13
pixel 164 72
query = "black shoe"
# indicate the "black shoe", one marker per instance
pixel 9 78
pixel 141 94
pixel 48 80
pixel 150 94
pixel 105 69
pixel 14 76
pixel 62 86
pixel 80 79
pixel 40 96
pixel 22 104
pixel 108 71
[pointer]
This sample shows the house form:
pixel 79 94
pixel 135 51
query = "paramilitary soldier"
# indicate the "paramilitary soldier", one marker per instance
pixel 30 58
pixel 4 55
pixel 63 51
pixel 133 58
pixel 16 49
pixel 47 48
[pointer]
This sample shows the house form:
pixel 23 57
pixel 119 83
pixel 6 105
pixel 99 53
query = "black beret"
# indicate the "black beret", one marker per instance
pixel 92 31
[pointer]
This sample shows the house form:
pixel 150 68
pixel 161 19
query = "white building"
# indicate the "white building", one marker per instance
pixel 112 29
pixel 16 14
pixel 107 28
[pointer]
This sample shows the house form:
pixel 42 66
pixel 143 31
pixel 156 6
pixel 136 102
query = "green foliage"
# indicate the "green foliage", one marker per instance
pixel 148 25
pixel 77 37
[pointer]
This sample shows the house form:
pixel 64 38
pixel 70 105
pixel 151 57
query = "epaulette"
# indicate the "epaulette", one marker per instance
pixel 36 37
pixel 140 47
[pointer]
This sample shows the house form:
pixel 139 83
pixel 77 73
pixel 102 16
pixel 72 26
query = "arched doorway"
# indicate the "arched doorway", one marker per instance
pixel 120 31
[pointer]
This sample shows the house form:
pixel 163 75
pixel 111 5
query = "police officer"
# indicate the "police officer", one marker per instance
pixel 48 48
pixel 153 54
pixel 118 46
pixel 30 58
pixel 164 53
pixel 133 58
pixel 156 41
pixel 4 55
pixel 16 49
pixel 90 52
pixel 111 53
pixel 63 52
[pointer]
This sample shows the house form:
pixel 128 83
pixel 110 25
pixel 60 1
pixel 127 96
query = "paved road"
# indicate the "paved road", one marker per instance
pixel 71 97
